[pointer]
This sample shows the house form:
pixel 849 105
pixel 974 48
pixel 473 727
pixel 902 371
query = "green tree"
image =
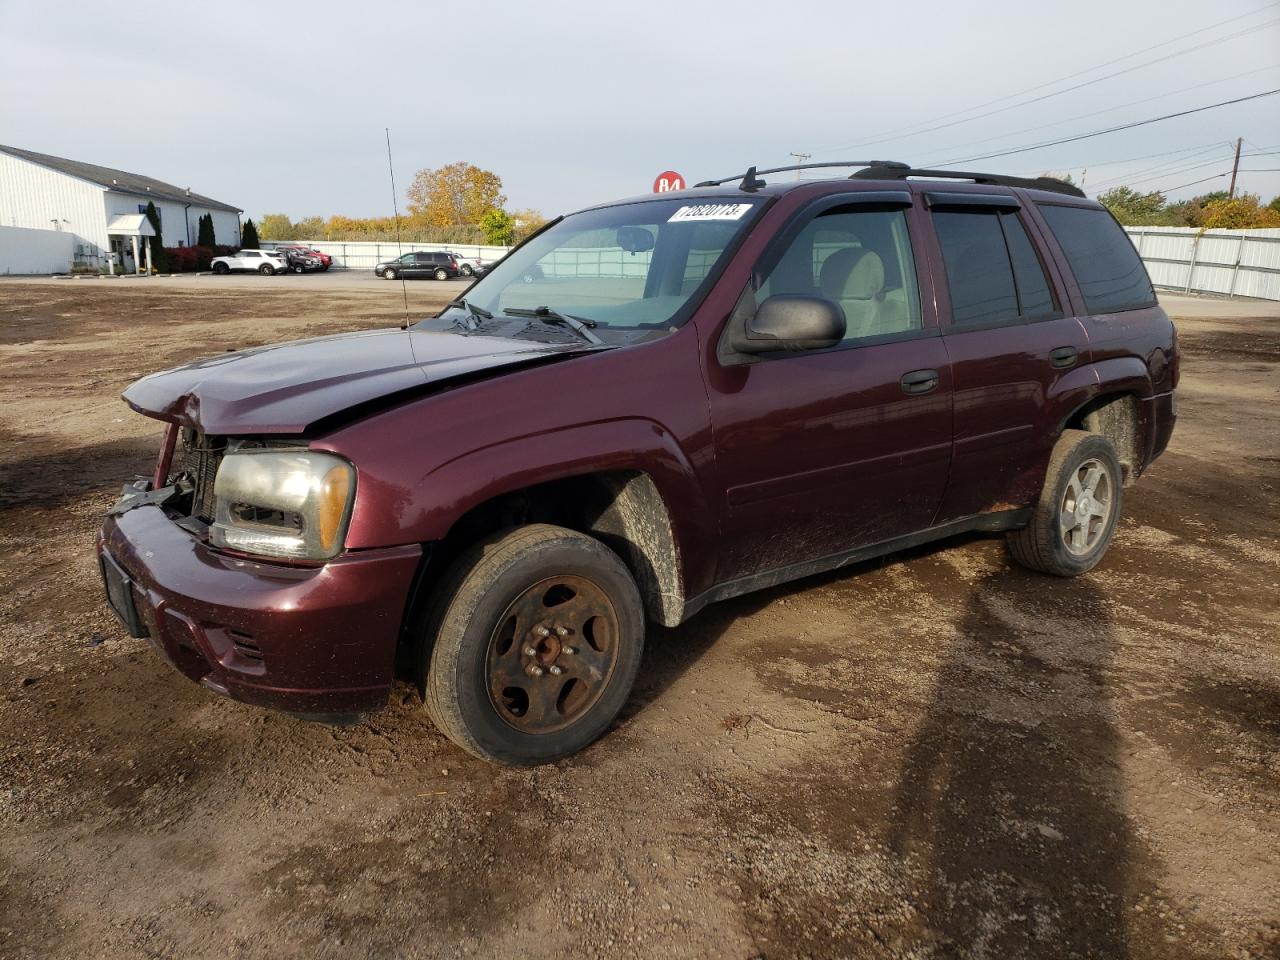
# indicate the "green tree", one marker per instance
pixel 499 228
pixel 249 235
pixel 204 233
pixel 1275 203
pixel 277 226
pixel 1132 208
pixel 159 259
pixel 457 194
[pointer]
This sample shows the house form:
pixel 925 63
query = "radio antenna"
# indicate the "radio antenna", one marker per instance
pixel 395 206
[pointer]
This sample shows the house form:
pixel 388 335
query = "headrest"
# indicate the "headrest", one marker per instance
pixel 852 274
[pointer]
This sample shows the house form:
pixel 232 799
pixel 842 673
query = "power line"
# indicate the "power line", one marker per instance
pixel 1097 113
pixel 1202 148
pixel 1216 176
pixel 900 132
pixel 1164 168
pixel 1117 128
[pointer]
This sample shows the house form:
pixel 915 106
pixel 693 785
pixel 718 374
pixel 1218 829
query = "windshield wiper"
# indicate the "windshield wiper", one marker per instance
pixel 579 325
pixel 474 313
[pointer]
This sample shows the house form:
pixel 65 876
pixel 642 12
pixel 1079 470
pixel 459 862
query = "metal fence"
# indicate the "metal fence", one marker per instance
pixel 365 255
pixel 1238 263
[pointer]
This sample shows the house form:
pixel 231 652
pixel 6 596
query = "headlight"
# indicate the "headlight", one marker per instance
pixel 283 504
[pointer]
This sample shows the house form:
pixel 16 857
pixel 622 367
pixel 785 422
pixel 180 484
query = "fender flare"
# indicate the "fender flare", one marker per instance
pixel 1073 392
pixel 449 491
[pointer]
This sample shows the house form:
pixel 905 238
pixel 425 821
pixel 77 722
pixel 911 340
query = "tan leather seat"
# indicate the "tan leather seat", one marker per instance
pixel 854 278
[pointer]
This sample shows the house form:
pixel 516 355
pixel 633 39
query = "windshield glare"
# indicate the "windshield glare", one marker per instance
pixel 633 265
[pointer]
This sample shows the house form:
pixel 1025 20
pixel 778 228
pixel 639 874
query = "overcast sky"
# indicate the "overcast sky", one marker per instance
pixel 281 106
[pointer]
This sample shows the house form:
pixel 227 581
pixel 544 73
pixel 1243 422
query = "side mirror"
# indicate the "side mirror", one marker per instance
pixel 635 239
pixel 792 322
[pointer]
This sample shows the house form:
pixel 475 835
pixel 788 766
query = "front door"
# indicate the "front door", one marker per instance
pixel 1009 342
pixel 819 452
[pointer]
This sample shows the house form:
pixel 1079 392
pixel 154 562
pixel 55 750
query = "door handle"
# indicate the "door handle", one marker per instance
pixel 919 381
pixel 1063 357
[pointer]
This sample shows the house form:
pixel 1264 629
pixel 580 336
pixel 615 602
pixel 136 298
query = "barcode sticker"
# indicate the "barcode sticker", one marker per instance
pixel 710 211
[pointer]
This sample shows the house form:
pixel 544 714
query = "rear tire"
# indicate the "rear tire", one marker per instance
pixel 537 634
pixel 442 273
pixel 1076 516
pixel 221 269
pixel 267 270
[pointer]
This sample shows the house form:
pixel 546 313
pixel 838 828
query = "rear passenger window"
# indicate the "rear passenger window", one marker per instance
pixel 993 272
pixel 1107 268
pixel 861 259
pixel 979 273
pixel 1035 299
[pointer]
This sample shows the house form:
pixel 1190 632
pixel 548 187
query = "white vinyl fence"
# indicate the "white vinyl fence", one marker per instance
pixel 1238 263
pixel 365 255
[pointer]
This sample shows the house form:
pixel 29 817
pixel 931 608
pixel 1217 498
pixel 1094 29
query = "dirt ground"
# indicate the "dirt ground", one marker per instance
pixel 934 755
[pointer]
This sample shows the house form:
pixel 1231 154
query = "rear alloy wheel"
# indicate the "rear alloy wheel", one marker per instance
pixel 1074 521
pixel 267 270
pixel 538 634
pixel 442 273
pixel 388 274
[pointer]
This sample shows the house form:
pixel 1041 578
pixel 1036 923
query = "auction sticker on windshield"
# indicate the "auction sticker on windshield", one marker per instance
pixel 710 211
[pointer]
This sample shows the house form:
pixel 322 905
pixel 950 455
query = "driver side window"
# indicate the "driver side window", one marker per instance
pixel 859 258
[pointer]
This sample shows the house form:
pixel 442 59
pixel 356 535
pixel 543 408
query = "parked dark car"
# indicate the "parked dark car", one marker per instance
pixel 326 261
pixel 300 261
pixel 414 266
pixel 648 406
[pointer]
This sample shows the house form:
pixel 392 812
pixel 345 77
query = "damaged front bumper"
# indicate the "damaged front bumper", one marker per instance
pixel 317 640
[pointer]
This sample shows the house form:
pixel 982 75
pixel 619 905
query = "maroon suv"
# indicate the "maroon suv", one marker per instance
pixel 649 406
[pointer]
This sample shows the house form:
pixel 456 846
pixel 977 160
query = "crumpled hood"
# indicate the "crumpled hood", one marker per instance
pixel 286 387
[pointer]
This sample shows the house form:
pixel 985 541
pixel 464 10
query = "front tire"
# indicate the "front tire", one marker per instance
pixel 221 269
pixel 467 271
pixel 1076 516
pixel 388 274
pixel 538 634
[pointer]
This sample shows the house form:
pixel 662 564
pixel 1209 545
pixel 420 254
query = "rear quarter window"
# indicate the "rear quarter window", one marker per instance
pixel 1107 268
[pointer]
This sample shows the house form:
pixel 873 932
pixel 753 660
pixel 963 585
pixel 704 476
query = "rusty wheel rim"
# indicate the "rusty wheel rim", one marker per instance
pixel 552 654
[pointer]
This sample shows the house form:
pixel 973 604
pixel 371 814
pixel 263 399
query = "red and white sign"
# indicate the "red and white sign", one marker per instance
pixel 668 180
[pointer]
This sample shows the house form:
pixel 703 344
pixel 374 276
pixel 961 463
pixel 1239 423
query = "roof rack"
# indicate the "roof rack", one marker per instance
pixel 900 171
pixel 751 179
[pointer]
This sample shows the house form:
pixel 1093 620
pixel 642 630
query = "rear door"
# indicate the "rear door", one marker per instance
pixel 823 451
pixel 1009 341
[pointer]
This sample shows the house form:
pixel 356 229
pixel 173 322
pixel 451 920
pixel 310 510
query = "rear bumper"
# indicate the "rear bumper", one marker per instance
pixel 315 640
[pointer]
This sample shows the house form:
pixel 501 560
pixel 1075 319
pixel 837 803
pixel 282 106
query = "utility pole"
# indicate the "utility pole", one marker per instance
pixel 1235 167
pixel 800 158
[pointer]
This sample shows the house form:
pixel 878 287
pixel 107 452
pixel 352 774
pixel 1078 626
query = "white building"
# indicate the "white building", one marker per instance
pixel 97 208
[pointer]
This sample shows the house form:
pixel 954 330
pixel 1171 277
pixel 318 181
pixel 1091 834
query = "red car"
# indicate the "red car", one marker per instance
pixel 649 406
pixel 326 261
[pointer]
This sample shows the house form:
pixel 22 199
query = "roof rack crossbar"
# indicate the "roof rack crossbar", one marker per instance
pixel 895 171
pixel 751 174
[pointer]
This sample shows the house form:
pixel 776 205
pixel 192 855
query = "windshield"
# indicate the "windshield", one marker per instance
pixel 634 265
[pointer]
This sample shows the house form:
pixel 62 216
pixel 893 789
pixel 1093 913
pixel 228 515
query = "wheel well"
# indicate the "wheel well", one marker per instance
pixel 1114 416
pixel 623 509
